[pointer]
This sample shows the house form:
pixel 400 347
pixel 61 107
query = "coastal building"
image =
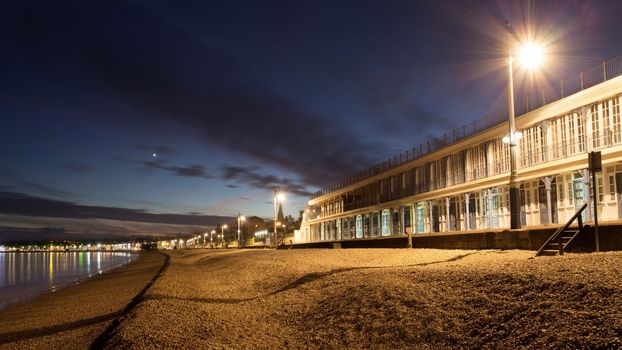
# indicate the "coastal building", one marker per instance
pixel 460 181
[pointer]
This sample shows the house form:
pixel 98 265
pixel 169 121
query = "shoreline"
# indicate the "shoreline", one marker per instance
pixel 75 315
pixel 33 295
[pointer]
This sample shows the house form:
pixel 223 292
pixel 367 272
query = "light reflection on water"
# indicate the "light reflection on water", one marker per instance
pixel 25 275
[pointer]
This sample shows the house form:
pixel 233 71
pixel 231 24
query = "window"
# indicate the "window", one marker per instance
pixel 612 189
pixel 500 157
pixel 476 162
pixel 532 146
pixel 615 121
pixel 605 124
pixel 596 126
pixel 359 226
pixel 338 228
pixel 386 217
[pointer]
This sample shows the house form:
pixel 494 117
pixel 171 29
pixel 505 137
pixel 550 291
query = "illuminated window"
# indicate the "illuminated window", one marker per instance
pixel 386 218
pixel 359 226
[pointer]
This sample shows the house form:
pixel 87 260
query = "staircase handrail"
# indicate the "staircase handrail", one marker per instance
pixel 563 228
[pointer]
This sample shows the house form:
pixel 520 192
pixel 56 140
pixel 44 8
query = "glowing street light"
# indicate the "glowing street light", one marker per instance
pixel 211 238
pixel 530 56
pixel 241 218
pixel 222 235
pixel 280 197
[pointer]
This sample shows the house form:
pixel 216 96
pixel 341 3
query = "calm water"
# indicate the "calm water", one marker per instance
pixel 25 275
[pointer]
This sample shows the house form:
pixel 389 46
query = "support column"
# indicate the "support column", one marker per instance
pixel 402 221
pixel 447 214
pixel 431 220
pixel 466 211
pixel 548 180
pixel 489 211
pixel 412 225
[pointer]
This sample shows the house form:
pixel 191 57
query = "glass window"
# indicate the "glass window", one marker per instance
pixel 359 226
pixel 386 218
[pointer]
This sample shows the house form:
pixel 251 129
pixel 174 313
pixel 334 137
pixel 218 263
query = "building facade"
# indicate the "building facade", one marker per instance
pixel 464 185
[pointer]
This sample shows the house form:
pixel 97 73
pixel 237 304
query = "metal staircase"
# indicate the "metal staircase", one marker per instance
pixel 559 241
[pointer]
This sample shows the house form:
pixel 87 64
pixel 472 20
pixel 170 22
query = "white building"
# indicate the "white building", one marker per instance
pixel 460 182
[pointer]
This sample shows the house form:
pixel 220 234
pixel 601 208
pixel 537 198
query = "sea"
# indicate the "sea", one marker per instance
pixel 25 275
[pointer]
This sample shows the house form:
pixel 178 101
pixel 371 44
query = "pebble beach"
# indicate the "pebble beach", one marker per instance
pixel 336 299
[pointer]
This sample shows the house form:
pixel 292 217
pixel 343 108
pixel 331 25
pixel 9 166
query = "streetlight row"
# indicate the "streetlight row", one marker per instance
pixel 277 197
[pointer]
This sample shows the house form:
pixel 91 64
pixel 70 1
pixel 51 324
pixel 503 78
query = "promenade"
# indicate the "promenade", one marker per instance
pixel 356 299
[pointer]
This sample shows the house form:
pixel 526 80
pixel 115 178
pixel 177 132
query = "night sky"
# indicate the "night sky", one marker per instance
pixel 237 98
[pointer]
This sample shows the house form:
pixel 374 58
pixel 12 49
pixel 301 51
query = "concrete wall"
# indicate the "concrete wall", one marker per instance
pixel 610 239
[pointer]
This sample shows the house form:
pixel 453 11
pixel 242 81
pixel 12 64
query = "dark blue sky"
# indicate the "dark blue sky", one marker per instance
pixel 237 98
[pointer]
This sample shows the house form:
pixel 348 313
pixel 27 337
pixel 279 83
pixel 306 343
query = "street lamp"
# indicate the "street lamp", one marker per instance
pixel 211 238
pixel 222 235
pixel 530 56
pixel 278 196
pixel 241 218
pixel 204 239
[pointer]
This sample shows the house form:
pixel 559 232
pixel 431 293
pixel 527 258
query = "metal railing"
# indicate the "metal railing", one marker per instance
pixel 586 79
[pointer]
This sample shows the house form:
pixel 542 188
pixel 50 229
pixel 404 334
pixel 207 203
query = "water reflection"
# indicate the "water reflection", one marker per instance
pixel 24 275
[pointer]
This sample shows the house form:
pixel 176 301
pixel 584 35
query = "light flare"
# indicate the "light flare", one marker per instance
pixel 531 55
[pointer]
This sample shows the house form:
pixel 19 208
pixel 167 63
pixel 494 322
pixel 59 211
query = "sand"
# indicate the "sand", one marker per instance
pixel 378 299
pixel 73 317
pixel 350 298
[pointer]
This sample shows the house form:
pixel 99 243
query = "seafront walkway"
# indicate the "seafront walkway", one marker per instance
pixel 359 299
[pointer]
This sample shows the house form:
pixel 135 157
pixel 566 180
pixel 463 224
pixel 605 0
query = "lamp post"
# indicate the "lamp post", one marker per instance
pixel 511 139
pixel 241 218
pixel 204 239
pixel 211 238
pixel 530 56
pixel 222 235
pixel 278 196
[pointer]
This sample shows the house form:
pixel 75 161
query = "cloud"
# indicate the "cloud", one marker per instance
pixel 16 228
pixel 43 188
pixel 242 175
pixel 221 97
pixel 251 177
pixel 192 170
pixel 78 166
pixel 23 204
